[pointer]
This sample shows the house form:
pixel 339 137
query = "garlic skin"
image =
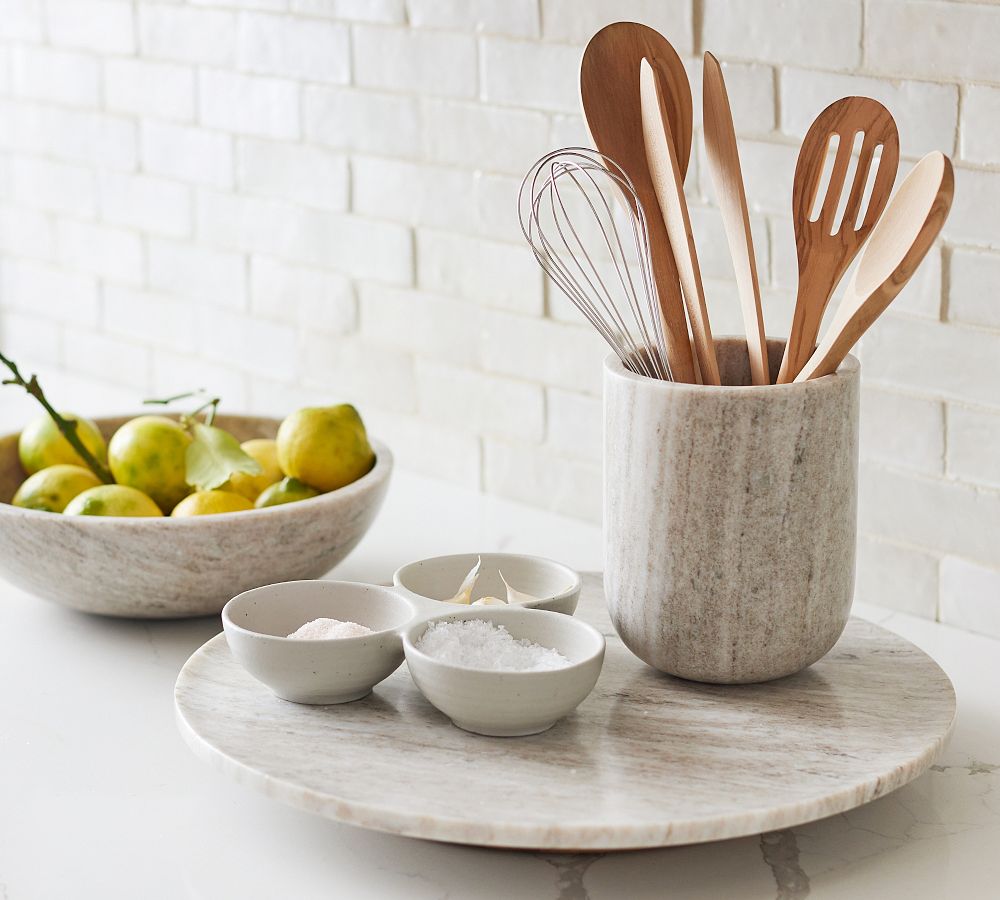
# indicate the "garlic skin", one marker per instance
pixel 464 595
pixel 489 601
pixel 516 596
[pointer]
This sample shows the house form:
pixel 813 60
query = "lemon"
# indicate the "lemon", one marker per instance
pixel 288 490
pixel 42 444
pixel 112 500
pixel 207 503
pixel 325 447
pixel 52 488
pixel 265 452
pixel 148 453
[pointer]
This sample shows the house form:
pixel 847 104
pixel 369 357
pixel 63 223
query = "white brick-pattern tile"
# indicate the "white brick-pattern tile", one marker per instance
pixel 518 18
pixel 63 76
pixel 299 202
pixel 145 88
pixel 426 62
pixel 294 48
pixel 970 596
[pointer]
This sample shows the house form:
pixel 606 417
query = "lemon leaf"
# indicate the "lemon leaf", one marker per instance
pixel 213 456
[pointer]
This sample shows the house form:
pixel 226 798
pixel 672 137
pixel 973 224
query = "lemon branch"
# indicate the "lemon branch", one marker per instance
pixel 68 427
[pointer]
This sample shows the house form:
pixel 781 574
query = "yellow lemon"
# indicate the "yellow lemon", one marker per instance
pixel 112 500
pixel 52 488
pixel 325 447
pixel 148 453
pixel 207 503
pixel 288 490
pixel 42 444
pixel 265 451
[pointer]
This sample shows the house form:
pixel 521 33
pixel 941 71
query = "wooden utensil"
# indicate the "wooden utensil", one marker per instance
pixel 899 242
pixel 826 244
pixel 668 183
pixel 609 92
pixel 724 166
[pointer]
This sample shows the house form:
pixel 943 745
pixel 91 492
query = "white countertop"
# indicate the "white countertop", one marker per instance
pixel 100 798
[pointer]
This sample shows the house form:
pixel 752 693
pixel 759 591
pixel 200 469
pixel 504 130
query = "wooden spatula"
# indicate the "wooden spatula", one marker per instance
pixel 724 165
pixel 668 183
pixel 609 91
pixel 826 244
pixel 899 242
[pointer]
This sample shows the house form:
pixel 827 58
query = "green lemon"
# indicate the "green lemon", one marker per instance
pixel 265 452
pixel 52 488
pixel 207 503
pixel 325 447
pixel 42 444
pixel 148 453
pixel 112 500
pixel 288 490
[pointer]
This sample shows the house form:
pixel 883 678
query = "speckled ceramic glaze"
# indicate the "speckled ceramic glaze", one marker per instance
pixel 730 518
pixel 170 568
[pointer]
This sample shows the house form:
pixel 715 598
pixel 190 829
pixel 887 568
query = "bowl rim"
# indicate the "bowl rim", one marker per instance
pixel 409 645
pixel 574 576
pixel 228 624
pixel 382 468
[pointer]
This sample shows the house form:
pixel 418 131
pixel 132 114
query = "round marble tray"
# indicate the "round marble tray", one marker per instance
pixel 646 761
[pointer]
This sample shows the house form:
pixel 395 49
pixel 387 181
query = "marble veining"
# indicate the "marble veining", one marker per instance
pixel 730 517
pixel 647 760
pixel 173 568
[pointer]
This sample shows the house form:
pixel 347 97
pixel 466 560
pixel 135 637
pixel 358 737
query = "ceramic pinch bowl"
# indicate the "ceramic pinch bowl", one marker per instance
pixel 320 671
pixel 509 703
pixel 556 586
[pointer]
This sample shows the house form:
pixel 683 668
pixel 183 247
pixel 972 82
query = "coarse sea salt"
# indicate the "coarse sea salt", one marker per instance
pixel 320 629
pixel 478 644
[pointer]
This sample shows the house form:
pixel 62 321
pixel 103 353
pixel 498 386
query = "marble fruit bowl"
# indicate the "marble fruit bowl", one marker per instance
pixel 173 568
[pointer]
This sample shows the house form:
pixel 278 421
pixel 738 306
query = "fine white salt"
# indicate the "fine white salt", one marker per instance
pixel 478 644
pixel 319 629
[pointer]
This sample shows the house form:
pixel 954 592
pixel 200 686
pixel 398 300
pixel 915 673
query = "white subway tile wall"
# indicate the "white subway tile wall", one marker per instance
pixel 307 201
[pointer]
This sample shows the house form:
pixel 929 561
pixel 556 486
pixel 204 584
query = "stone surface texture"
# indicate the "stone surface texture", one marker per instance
pixel 730 518
pixel 647 760
pixel 169 568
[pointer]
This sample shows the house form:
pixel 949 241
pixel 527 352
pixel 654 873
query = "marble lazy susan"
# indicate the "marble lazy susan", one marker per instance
pixel 646 761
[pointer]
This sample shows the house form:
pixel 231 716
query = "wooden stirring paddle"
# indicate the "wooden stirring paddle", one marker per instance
pixel 899 242
pixel 609 92
pixel 669 186
pixel 724 166
pixel 828 242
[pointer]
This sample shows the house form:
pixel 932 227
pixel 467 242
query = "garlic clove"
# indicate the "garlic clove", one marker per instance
pixel 464 595
pixel 516 596
pixel 489 601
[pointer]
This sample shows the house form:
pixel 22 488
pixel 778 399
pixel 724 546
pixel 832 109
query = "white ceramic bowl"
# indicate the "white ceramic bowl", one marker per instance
pixel 439 578
pixel 336 670
pixel 170 568
pixel 510 704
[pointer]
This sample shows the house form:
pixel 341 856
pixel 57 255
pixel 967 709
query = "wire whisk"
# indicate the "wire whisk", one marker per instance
pixel 582 218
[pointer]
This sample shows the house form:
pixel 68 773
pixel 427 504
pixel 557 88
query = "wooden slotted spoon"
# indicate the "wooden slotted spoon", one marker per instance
pixel 669 186
pixel 609 92
pixel 899 242
pixel 826 244
pixel 724 164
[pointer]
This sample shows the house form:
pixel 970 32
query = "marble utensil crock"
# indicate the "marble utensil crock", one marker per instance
pixel 730 517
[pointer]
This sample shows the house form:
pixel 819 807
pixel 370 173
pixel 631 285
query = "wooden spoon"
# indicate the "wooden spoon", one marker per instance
pixel 724 164
pixel 668 183
pixel 825 245
pixel 899 242
pixel 609 92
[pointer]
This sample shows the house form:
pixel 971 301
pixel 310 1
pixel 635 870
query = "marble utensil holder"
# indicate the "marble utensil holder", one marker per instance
pixel 730 517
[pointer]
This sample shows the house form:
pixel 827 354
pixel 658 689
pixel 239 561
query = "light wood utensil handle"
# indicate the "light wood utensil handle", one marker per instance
pixel 899 242
pixel 669 187
pixel 724 166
